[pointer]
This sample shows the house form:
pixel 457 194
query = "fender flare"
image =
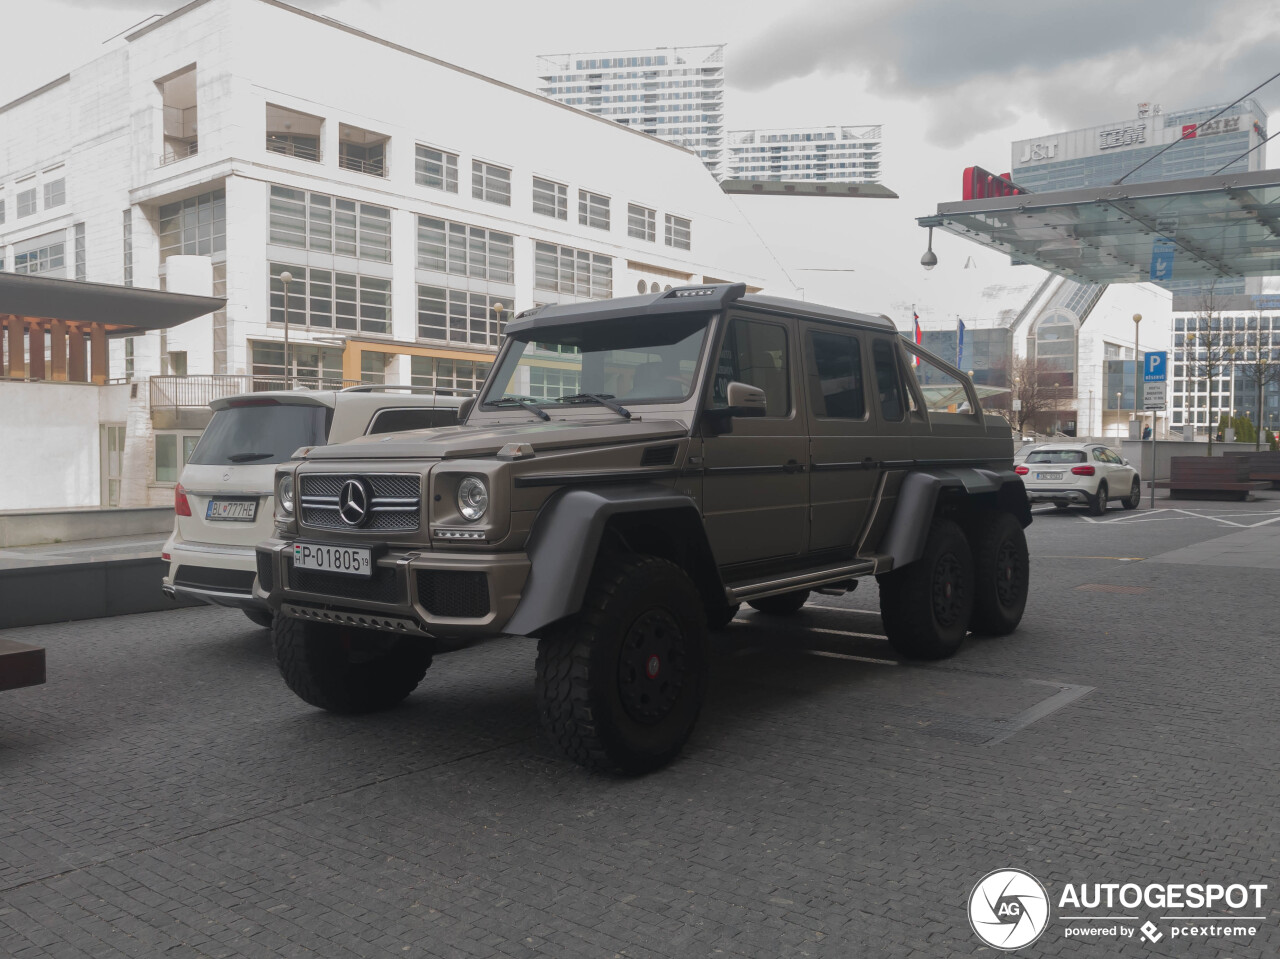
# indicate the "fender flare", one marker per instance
pixel 918 497
pixel 566 538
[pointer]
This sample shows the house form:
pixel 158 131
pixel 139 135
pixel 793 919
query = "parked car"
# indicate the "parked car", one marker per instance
pixel 1080 474
pixel 633 470
pixel 223 502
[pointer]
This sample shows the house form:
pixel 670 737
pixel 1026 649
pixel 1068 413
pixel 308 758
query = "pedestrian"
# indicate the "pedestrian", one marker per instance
pixel 1146 433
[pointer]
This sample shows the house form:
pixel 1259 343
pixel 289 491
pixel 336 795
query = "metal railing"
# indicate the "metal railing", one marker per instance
pixel 193 392
pixel 359 165
pixel 302 151
pixel 178 151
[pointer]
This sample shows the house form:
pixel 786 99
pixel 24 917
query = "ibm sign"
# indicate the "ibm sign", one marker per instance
pixel 1122 136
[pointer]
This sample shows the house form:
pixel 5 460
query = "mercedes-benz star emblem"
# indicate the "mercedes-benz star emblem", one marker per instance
pixel 353 503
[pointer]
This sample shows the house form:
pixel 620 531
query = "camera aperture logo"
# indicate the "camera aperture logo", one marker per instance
pixel 1008 909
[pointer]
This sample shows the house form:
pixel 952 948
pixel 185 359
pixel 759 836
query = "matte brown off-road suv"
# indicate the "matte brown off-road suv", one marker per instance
pixel 632 471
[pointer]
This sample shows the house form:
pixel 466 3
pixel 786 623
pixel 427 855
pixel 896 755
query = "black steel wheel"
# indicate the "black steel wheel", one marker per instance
pixel 1098 505
pixel 926 605
pixel 620 684
pixel 1135 495
pixel 1001 572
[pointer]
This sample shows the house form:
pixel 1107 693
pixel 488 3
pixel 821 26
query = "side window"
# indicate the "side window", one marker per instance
pixel 841 393
pixel 393 421
pixel 942 392
pixel 1098 455
pixel 882 355
pixel 755 353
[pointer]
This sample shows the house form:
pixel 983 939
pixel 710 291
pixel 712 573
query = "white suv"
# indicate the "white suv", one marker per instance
pixel 1083 474
pixel 224 501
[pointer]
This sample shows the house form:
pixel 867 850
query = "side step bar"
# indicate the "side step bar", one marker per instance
pixel 808 579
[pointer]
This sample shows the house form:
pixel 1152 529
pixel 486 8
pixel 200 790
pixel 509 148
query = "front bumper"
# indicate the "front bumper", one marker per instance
pixel 446 595
pixel 1059 495
pixel 218 575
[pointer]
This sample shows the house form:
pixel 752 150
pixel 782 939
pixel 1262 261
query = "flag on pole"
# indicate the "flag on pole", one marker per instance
pixel 919 335
pixel 959 343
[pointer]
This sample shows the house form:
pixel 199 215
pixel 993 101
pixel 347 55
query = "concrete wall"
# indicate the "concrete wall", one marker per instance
pixel 33 527
pixel 49 439
pixel 1140 453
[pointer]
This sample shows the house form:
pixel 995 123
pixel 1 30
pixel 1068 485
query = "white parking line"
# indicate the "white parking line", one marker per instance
pixel 860 659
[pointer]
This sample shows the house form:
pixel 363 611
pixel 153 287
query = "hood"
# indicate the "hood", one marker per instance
pixel 458 442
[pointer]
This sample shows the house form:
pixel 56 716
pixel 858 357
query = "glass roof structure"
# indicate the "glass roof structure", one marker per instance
pixel 1195 229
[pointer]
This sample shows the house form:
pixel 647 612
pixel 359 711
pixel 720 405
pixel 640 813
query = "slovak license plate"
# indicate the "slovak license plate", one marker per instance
pixel 1048 476
pixel 233 510
pixel 352 560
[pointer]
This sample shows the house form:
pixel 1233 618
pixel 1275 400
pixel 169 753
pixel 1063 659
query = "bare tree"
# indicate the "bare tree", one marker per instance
pixel 1035 390
pixel 1210 351
pixel 1261 371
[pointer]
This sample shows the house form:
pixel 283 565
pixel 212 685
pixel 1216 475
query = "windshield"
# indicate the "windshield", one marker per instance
pixel 258 434
pixel 643 359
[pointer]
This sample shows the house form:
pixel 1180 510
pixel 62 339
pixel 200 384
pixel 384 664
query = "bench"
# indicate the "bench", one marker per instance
pixel 20 664
pixel 1208 477
pixel 1263 465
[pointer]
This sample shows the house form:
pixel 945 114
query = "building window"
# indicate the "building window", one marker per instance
pixel 43 259
pixel 127 220
pixel 1 209
pixel 458 316
pixel 373 367
pixel 550 198
pixel 318 367
pixel 325 224
pixel 436 169
pixel 491 183
pixel 329 299
pixel 678 232
pixel 55 192
pixel 26 202
pixel 173 450
pixel 128 358
pixel 181 118
pixel 641 222
pixel 294 134
pixel 593 210
pixel 465 250
pixel 362 150
pixel 81 269
pixel 444 374
pixel 196 225
pixel 575 272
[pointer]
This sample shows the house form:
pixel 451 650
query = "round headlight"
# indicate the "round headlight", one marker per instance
pixel 286 493
pixel 473 498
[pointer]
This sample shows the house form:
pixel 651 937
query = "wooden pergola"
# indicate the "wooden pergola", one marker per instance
pixel 70 320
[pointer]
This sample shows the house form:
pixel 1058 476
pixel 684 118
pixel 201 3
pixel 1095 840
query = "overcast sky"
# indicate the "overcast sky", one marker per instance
pixel 953 83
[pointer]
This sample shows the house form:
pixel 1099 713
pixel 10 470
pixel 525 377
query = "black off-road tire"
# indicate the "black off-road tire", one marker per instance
pixel 784 604
pixel 1098 505
pixel 1001 573
pixel 620 683
pixel 926 605
pixel 259 617
pixel 345 669
pixel 1134 498
pixel 721 616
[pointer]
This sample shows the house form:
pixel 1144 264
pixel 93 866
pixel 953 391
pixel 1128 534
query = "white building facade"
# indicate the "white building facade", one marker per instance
pixel 675 93
pixel 201 151
pixel 834 154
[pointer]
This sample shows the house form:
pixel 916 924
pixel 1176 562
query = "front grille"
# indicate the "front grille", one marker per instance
pixel 382 587
pixel 266 574
pixel 223 580
pixel 457 595
pixel 394 504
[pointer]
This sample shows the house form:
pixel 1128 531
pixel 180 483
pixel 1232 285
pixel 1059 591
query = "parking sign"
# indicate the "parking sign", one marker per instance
pixel 1155 367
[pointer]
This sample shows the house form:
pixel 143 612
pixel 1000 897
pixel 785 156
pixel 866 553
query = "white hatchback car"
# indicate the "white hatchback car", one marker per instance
pixel 224 500
pixel 1082 474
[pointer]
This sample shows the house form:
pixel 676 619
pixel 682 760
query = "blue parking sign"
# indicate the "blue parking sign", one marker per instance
pixel 1162 258
pixel 1155 367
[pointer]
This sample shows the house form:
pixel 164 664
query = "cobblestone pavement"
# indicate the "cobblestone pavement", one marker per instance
pixel 165 795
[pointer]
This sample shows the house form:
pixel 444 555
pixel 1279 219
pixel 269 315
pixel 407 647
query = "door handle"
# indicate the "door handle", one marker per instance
pixel 792 466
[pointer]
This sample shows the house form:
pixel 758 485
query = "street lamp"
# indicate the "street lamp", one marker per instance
pixel 1137 318
pixel 286 278
pixel 930 259
pixel 1119 396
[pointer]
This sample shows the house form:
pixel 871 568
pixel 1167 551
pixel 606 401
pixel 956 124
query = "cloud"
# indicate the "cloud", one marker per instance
pixel 971 64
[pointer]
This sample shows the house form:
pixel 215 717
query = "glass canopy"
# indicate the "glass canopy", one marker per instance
pixel 1194 229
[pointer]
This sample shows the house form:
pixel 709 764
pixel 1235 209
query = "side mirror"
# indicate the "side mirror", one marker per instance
pixel 745 399
pixel 1124 462
pixel 465 407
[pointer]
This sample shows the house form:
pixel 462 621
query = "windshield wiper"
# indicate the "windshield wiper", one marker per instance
pixel 528 404
pixel 604 399
pixel 247 457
